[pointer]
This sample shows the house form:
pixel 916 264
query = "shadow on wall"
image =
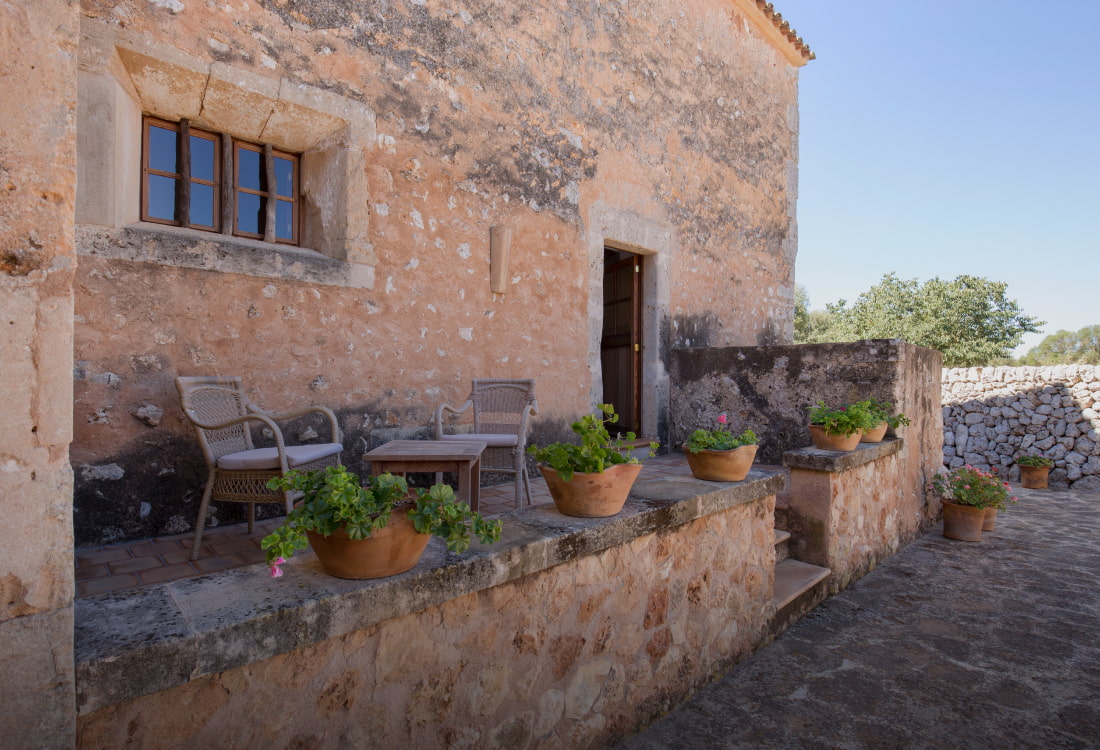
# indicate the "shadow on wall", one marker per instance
pixel 992 415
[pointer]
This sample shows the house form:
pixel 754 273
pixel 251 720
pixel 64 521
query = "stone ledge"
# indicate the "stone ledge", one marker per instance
pixel 813 459
pixel 138 642
pixel 146 242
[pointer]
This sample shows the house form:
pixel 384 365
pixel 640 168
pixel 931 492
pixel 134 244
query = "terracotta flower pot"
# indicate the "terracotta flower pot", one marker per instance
pixel 591 495
pixel 385 552
pixel 722 466
pixel 1034 477
pixel 989 520
pixel 830 442
pixel 876 435
pixel 962 522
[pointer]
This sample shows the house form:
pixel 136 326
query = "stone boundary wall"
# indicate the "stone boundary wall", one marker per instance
pixel 993 414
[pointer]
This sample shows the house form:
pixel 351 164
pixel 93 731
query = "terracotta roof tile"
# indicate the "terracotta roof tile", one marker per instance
pixel 784 27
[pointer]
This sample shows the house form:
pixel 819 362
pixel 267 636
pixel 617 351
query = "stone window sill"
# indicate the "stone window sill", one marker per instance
pixel 137 642
pixel 146 242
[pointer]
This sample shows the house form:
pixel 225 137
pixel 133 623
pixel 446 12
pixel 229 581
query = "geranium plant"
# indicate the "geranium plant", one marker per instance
pixel 720 438
pixel 883 411
pixel 596 452
pixel 967 485
pixel 843 420
pixel 1039 460
pixel 335 498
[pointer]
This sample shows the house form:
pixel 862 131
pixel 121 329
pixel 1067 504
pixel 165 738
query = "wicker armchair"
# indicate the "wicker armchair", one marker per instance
pixel 221 413
pixel 500 412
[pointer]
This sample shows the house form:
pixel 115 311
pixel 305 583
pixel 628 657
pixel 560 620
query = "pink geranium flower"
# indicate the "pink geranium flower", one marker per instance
pixel 276 571
pixel 722 419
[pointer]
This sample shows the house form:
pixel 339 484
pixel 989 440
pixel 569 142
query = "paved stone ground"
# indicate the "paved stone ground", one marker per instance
pixel 945 645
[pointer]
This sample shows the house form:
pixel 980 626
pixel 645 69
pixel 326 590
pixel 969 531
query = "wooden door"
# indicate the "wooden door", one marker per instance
pixel 621 344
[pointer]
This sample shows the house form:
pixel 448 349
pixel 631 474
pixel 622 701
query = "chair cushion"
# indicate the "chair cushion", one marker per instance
pixel 259 459
pixel 490 440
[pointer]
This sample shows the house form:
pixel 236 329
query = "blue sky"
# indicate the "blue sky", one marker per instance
pixel 940 139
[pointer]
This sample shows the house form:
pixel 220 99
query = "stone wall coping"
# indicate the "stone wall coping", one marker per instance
pixel 140 641
pixel 814 459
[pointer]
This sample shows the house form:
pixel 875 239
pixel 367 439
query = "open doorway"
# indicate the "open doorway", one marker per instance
pixel 621 341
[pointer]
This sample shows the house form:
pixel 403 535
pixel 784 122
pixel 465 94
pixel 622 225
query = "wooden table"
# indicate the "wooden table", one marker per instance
pixel 430 456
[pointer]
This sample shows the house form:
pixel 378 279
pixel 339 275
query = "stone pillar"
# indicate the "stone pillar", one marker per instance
pixel 37 192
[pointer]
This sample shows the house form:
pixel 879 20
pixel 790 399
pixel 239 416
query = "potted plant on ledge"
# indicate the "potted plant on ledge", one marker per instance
pixel 369 531
pixel 838 429
pixel 593 479
pixel 720 456
pixel 882 418
pixel 1034 471
pixel 970 498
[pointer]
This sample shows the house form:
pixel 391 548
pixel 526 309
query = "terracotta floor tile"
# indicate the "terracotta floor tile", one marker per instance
pixel 134 564
pixel 102 585
pixel 168 573
pixel 97 556
pixel 177 556
pixel 214 563
pixel 155 548
pixel 235 546
pixel 87 572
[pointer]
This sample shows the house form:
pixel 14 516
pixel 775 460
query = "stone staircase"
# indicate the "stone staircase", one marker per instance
pixel 798 585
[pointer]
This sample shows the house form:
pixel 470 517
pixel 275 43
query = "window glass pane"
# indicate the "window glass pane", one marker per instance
pixel 249 169
pixel 162 197
pixel 284 177
pixel 202 204
pixel 284 220
pixel 162 149
pixel 250 213
pixel 202 158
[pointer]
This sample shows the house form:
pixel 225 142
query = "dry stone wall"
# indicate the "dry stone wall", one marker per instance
pixel 993 414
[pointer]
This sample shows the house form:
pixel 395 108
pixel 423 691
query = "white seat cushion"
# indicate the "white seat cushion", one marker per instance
pixel 259 459
pixel 491 441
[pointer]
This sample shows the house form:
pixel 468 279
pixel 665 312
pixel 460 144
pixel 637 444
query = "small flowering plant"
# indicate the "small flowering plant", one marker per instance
pixel 883 411
pixel 720 438
pixel 843 420
pixel 1039 460
pixel 968 485
pixel 334 498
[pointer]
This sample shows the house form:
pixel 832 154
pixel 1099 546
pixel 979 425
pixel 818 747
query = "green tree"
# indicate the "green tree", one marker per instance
pixel 814 326
pixel 1066 347
pixel 969 319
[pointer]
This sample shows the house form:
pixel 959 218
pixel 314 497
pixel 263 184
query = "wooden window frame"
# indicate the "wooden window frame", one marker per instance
pixel 225 190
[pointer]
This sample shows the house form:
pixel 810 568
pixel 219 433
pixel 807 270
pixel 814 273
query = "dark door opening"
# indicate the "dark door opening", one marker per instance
pixel 621 343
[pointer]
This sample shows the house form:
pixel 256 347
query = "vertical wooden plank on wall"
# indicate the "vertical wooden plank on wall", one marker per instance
pixel 269 176
pixel 183 195
pixel 229 180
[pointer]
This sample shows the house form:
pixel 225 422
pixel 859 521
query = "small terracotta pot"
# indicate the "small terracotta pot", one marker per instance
pixel 385 552
pixel 876 435
pixel 829 442
pixel 722 466
pixel 962 522
pixel 591 495
pixel 1034 477
pixel 989 520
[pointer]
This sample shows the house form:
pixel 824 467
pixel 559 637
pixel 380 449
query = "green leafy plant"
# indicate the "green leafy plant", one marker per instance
pixel 842 420
pixel 1034 461
pixel 968 485
pixel 335 498
pixel 720 438
pixel 596 452
pixel 883 411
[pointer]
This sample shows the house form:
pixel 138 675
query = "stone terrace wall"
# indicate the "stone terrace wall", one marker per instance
pixel 992 414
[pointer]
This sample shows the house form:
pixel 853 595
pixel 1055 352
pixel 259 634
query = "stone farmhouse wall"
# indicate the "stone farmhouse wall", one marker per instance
pixel 992 414
pixel 665 129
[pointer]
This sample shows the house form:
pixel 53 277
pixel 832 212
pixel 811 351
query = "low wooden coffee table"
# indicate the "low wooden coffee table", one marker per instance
pixel 430 456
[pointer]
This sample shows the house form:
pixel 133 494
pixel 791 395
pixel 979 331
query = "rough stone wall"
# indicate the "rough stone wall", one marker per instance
pixel 575 656
pixel 770 389
pixel 678 116
pixel 993 414
pixel 37 174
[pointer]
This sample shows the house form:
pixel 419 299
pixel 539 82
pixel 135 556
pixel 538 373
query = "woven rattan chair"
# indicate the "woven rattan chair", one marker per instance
pixel 500 412
pixel 221 414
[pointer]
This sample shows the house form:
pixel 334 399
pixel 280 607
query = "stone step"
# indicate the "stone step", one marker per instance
pixel 794 578
pixel 782 551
